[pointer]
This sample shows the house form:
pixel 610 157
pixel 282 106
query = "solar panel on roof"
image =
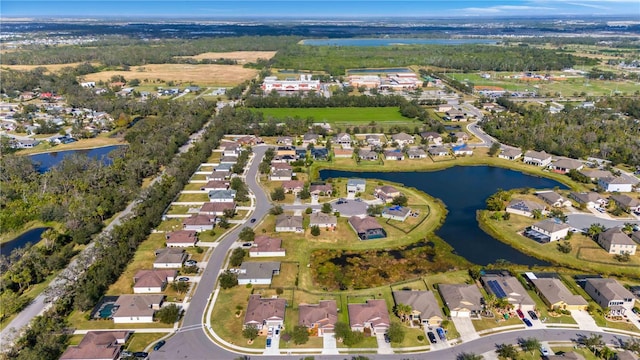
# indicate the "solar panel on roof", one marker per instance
pixel 496 289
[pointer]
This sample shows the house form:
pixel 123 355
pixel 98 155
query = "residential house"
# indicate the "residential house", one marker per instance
pixel 280 166
pixel 556 295
pixel 169 258
pixel 249 140
pixel 342 153
pixel 98 345
pixel 547 230
pixel 356 186
pixel 27 143
pixel 367 228
pixel 626 355
pixel 444 107
pixel 595 174
pixel 372 315
pixel 373 140
pixel 396 212
pixel 265 313
pixel 462 150
pixel 366 154
pixel 402 139
pixel 416 153
pixel 284 158
pixel 137 308
pixel 616 184
pixel 301 152
pixel 286 150
pixel 462 300
pixel 635 236
pixel 215 185
pixel 231 150
pixel 320 154
pixel 537 158
pixel 424 306
pixel 289 223
pixel 321 189
pixel 553 198
pixel 258 273
pixel 626 203
pixel 223 167
pixel 510 153
pixel 456 115
pixel 563 166
pixel 181 238
pixel 293 186
pixel 228 160
pixel 432 137
pixel 615 241
pixel 524 207
pixel 222 196
pixel 219 175
pixel 284 140
pixel 319 318
pixel 589 199
pixel 310 138
pixel 461 136
pixel 342 139
pixel 393 154
pixel 265 246
pixel 217 208
pixel 609 293
pixel 323 220
pixel 386 193
pixel 152 281
pixel 508 287
pixel 281 175
pixel 438 151
pixel 198 222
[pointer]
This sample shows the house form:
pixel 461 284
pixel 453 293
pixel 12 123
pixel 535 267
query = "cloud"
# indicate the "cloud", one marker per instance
pixel 505 9
pixel 592 6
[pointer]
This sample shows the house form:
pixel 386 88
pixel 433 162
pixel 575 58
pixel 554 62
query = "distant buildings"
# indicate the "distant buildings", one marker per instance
pixel 303 83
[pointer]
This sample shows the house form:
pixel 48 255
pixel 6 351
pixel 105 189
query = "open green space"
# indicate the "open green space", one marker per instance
pixel 139 341
pixel 343 116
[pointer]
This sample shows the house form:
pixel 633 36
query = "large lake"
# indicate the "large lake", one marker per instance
pixel 392 42
pixel 46 161
pixel 32 236
pixel 464 189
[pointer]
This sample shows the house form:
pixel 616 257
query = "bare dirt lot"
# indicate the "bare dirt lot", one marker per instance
pixel 241 56
pixel 220 75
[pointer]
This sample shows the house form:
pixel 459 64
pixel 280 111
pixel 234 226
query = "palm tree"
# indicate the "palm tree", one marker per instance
pixel 469 356
pixel 529 344
pixel 403 311
pixel 536 213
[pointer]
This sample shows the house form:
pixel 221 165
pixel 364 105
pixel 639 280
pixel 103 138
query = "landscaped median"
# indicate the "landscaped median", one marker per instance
pixel 585 253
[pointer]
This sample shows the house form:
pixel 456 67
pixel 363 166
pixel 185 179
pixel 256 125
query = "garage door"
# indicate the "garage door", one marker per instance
pixel 461 313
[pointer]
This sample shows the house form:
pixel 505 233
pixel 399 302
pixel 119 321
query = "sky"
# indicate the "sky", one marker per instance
pixel 328 9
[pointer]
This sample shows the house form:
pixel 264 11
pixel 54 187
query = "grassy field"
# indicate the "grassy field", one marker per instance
pixel 345 116
pixel 206 74
pixel 96 142
pixel 139 341
pixel 49 67
pixel 239 56
pixel 585 253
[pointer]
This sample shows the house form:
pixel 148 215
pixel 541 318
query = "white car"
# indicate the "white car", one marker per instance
pixel 544 351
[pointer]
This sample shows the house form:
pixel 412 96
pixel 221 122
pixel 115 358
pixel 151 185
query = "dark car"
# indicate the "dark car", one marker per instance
pixel 252 221
pixel 184 278
pixel 532 315
pixel 432 337
pixel 141 355
pixel 268 342
pixel 520 314
pixel 158 345
pixel 387 339
pixel 527 322
pixel 441 334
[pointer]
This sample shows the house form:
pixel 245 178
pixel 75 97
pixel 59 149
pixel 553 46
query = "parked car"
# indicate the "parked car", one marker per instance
pixel 277 331
pixel 268 342
pixel 532 315
pixel 190 263
pixel 253 220
pixel 544 351
pixel 141 355
pixel 441 334
pixel 158 345
pixel 247 245
pixel 527 322
pixel 270 331
pixel 387 339
pixel 520 314
pixel 432 337
pixel 183 278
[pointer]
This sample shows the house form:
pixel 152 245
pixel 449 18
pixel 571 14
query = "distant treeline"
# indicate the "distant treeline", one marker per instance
pixel 337 59
pixel 126 52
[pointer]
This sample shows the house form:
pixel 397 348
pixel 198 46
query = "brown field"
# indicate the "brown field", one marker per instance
pixel 240 56
pixel 219 75
pixel 50 67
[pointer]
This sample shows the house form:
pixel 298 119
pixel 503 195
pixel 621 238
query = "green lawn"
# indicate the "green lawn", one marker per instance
pixel 139 341
pixel 485 324
pixel 350 116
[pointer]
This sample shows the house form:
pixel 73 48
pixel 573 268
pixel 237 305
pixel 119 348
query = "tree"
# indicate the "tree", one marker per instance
pixel 224 223
pixel 375 210
pixel 595 230
pixel 304 194
pixel 250 332
pixel 276 210
pixel 247 234
pixel 507 351
pixel 529 344
pixel 326 208
pixel 229 213
pixel 300 334
pixel 168 314
pixel 228 280
pixel 315 230
pixel 396 332
pixel 400 200
pixel 469 356
pixel 564 247
pixel 402 310
pixel 537 214
pixel 278 194
pixel 237 256
pixel 180 287
pixel 494 149
pixel 593 342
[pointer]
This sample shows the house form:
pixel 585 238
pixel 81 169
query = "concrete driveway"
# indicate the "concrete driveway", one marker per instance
pixel 329 345
pixel 465 327
pixel 440 344
pixel 584 320
pixel 383 346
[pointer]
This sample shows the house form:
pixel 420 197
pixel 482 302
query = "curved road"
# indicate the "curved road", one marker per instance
pixel 191 341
